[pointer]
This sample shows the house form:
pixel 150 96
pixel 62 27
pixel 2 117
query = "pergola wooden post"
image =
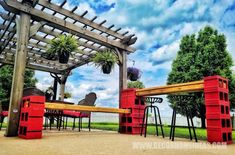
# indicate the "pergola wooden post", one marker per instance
pixel 18 75
pixel 55 89
pixel 122 72
pixel 62 86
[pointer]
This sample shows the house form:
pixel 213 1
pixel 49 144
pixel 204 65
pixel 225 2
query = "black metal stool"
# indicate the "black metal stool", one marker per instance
pixel 183 99
pixel 152 100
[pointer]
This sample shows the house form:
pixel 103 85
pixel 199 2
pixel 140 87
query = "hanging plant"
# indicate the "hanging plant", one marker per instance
pixel 133 73
pixel 106 60
pixel 61 48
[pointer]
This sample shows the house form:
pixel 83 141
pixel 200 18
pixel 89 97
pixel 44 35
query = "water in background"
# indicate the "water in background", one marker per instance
pixel 180 120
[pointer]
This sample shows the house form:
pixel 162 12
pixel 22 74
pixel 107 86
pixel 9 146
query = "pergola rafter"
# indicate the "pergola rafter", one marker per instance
pixel 102 37
pixel 26 28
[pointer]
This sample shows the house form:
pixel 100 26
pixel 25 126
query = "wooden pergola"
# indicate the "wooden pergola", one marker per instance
pixel 26 28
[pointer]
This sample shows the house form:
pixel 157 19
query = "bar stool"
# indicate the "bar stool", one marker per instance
pixel 183 101
pixel 152 100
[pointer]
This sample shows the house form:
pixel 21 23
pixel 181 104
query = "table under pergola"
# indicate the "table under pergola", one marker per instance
pixel 27 26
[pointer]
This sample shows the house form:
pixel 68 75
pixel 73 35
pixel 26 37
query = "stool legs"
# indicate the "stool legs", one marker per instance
pixel 142 127
pixel 155 115
pixel 171 124
pixel 189 120
pixel 194 132
pixel 172 131
pixel 145 120
pixel 146 123
pixel 190 134
pixel 160 121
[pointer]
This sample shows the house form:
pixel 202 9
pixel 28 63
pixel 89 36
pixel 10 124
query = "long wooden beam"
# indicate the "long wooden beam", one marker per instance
pixel 195 86
pixel 30 66
pixel 59 106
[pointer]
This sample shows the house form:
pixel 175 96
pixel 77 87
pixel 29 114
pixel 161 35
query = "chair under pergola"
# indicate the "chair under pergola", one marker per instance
pixel 26 28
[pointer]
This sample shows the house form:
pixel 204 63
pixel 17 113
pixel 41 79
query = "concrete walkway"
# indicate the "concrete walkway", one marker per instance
pixel 106 143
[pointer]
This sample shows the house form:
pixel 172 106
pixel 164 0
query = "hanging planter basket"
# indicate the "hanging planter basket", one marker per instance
pixel 64 57
pixel 61 48
pixel 133 73
pixel 107 68
pixel 105 60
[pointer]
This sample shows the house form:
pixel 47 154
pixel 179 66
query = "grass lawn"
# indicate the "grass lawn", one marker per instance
pixel 180 132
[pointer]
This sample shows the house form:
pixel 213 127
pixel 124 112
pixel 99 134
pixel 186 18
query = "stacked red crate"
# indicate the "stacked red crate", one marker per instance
pixel 131 123
pixel 219 128
pixel 31 117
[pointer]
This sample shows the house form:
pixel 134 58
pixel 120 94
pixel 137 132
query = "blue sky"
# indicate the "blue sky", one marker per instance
pixel 159 26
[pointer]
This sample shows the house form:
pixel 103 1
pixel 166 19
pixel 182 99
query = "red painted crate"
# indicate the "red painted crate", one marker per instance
pixel 136 124
pixel 224 122
pixel 215 89
pixel 24 118
pixel 215 81
pixel 34 110
pixel 220 95
pixel 134 130
pixel 31 135
pixel 219 135
pixel 33 124
pixel 131 119
pixel 216 102
pixel 139 111
pixel 217 110
pixel 135 103
pixel 33 99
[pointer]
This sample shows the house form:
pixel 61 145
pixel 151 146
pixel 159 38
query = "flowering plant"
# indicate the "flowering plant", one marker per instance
pixel 133 73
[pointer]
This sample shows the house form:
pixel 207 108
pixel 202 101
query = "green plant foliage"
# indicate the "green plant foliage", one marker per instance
pixel 135 84
pixel 6 73
pixel 67 95
pixel 201 56
pixel 104 58
pixel 64 43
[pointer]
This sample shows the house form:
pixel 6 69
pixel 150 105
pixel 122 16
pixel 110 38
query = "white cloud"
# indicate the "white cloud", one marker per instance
pixel 166 52
pixel 155 22
pixel 44 80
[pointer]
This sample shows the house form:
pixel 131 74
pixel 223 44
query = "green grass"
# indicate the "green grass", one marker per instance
pixel 181 132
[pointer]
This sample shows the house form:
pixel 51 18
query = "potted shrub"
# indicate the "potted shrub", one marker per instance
pixel 135 84
pixel 133 73
pixel 62 47
pixel 106 60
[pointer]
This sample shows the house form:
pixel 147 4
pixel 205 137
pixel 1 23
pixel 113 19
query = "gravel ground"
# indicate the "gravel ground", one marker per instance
pixel 99 142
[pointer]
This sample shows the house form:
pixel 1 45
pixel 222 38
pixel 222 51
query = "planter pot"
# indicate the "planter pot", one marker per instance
pixel 133 78
pixel 106 69
pixel 64 57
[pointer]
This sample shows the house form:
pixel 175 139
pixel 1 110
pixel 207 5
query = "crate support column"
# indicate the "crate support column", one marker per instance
pixel 219 126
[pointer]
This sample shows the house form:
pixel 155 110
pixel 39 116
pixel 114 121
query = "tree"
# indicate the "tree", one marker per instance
pixel 6 73
pixel 135 84
pixel 200 56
